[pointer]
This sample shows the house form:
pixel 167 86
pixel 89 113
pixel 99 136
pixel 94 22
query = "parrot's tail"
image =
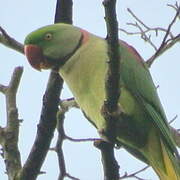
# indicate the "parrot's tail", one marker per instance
pixel 168 168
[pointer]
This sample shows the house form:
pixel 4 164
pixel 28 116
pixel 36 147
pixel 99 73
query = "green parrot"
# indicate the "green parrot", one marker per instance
pixel 81 59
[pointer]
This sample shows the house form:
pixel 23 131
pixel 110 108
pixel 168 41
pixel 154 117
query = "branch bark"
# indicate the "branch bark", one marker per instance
pixel 64 11
pixel 10 42
pixel 110 165
pixel 110 109
pixel 10 134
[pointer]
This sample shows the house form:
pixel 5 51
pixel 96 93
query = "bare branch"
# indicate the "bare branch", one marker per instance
pixel 169 43
pixel 172 120
pixel 144 35
pixel 3 88
pixel 176 135
pixel 138 20
pixel 134 175
pixel 156 30
pixel 113 74
pixel 67 104
pixel 110 165
pixel 165 41
pixel 144 29
pixel 64 11
pixel 10 134
pixel 59 145
pixel 8 41
pixel 175 7
pixel 71 177
pixel 110 109
pixel 82 140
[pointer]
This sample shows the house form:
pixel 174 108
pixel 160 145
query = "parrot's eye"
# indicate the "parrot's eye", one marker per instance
pixel 48 36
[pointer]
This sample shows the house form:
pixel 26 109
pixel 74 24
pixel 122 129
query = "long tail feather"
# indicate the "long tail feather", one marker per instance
pixel 168 167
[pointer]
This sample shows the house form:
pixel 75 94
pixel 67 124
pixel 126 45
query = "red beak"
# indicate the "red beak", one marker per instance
pixel 35 57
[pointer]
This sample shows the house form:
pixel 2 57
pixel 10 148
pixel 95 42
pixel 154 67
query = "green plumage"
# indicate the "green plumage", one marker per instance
pixel 143 128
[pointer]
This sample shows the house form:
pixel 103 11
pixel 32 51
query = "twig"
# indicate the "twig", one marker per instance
pixel 164 48
pixel 8 41
pixel 134 175
pixel 176 135
pixel 156 30
pixel 67 104
pixel 173 119
pixel 59 147
pixel 10 134
pixel 175 7
pixel 144 36
pixel 71 177
pixel 3 88
pixel 165 41
pixel 81 140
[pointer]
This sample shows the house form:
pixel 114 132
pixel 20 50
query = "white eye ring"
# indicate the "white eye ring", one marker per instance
pixel 48 36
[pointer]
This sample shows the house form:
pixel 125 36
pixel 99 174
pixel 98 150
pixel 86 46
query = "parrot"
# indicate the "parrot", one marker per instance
pixel 81 59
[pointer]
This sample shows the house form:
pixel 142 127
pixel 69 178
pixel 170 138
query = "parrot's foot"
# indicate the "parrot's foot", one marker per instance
pixel 115 113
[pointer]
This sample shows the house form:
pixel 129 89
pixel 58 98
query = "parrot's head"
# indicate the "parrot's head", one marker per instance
pixel 52 45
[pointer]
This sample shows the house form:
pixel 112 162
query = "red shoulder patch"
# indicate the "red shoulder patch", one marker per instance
pixel 132 50
pixel 85 35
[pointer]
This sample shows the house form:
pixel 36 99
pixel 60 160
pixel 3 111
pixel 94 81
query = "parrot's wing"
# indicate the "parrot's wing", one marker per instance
pixel 157 120
pixel 138 81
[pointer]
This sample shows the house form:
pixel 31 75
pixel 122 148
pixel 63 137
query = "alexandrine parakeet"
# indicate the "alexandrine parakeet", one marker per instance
pixel 81 59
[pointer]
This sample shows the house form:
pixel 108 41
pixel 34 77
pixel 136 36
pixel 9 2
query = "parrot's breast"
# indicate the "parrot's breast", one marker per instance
pixel 85 75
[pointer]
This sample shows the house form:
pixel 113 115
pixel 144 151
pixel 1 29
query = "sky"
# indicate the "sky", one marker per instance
pixel 83 160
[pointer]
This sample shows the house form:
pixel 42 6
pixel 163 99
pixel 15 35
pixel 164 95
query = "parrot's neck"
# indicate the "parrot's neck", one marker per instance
pixel 84 73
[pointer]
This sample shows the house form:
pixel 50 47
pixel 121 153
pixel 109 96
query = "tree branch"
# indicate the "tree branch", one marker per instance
pixel 144 29
pixel 45 131
pixel 67 104
pixel 110 109
pixel 59 146
pixel 3 88
pixel 10 134
pixel 176 135
pixel 113 74
pixel 110 165
pixel 8 41
pixel 165 41
pixel 64 11
pixel 134 175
